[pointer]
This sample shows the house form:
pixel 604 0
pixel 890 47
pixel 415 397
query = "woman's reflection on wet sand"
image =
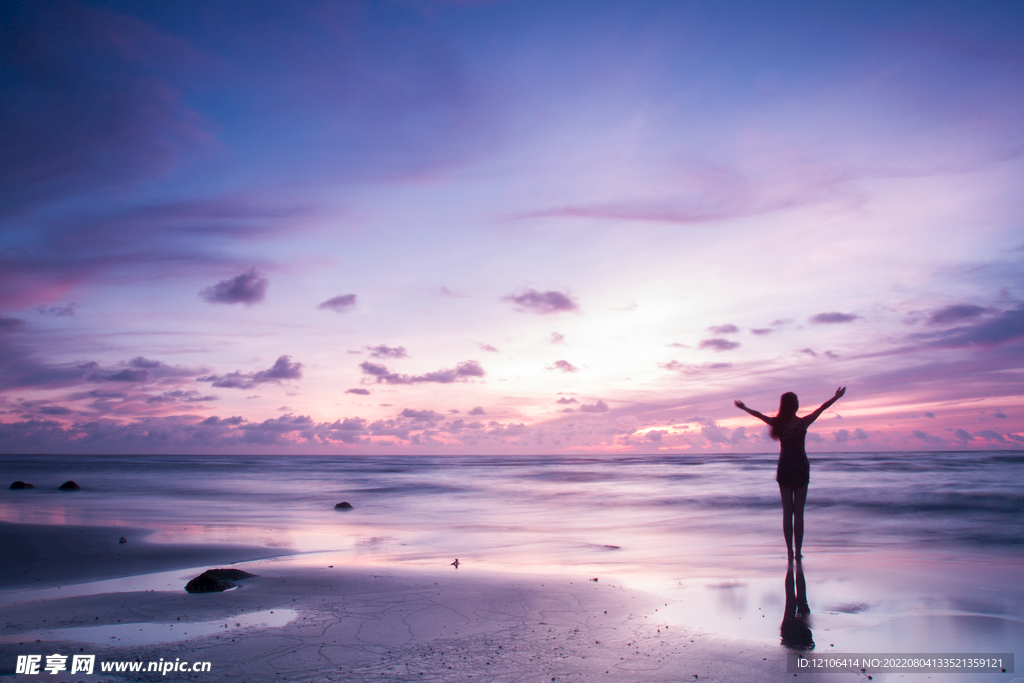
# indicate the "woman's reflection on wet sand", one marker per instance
pixel 796 621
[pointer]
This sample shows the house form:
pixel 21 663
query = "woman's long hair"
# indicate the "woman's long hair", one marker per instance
pixel 788 405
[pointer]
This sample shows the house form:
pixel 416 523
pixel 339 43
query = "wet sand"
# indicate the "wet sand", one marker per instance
pixel 355 626
pixel 347 623
pixel 303 620
pixel 42 555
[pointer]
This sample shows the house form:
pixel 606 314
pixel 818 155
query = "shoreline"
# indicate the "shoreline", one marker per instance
pixel 43 556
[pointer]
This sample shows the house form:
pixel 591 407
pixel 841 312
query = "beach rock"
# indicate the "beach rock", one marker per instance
pixel 69 486
pixel 343 506
pixel 215 580
pixel 204 583
pixel 122 540
pixel 22 485
pixel 229 574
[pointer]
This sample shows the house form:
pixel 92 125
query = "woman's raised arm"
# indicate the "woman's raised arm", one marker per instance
pixel 759 416
pixel 825 406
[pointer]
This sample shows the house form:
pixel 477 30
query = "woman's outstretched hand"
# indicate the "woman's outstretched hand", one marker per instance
pixel 839 392
pixel 759 416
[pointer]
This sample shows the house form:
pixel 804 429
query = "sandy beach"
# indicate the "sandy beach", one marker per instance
pixel 302 619
pixel 314 622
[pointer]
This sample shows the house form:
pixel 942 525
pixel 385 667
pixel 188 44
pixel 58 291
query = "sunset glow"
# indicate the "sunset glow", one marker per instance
pixel 510 227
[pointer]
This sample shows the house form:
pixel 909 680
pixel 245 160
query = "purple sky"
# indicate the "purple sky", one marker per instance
pixel 509 227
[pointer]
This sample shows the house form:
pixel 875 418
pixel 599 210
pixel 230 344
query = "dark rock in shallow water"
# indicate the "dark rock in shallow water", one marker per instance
pixel 22 485
pixel 229 574
pixel 69 486
pixel 122 540
pixel 215 580
pixel 204 583
pixel 343 506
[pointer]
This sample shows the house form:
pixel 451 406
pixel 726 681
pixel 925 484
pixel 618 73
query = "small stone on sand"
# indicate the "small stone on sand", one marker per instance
pixel 216 580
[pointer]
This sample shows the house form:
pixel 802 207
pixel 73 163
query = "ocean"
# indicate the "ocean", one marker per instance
pixel 536 510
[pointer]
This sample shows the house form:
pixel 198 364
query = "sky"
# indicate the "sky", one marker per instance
pixel 511 227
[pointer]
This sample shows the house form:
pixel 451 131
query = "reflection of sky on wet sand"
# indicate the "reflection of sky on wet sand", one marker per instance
pixel 911 603
pixel 155 633
pixel 174 580
pixel 862 603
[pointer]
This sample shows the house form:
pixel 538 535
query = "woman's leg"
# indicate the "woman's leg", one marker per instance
pixel 799 498
pixel 787 516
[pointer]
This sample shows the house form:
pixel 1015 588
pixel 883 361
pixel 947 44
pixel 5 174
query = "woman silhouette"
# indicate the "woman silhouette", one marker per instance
pixel 794 470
